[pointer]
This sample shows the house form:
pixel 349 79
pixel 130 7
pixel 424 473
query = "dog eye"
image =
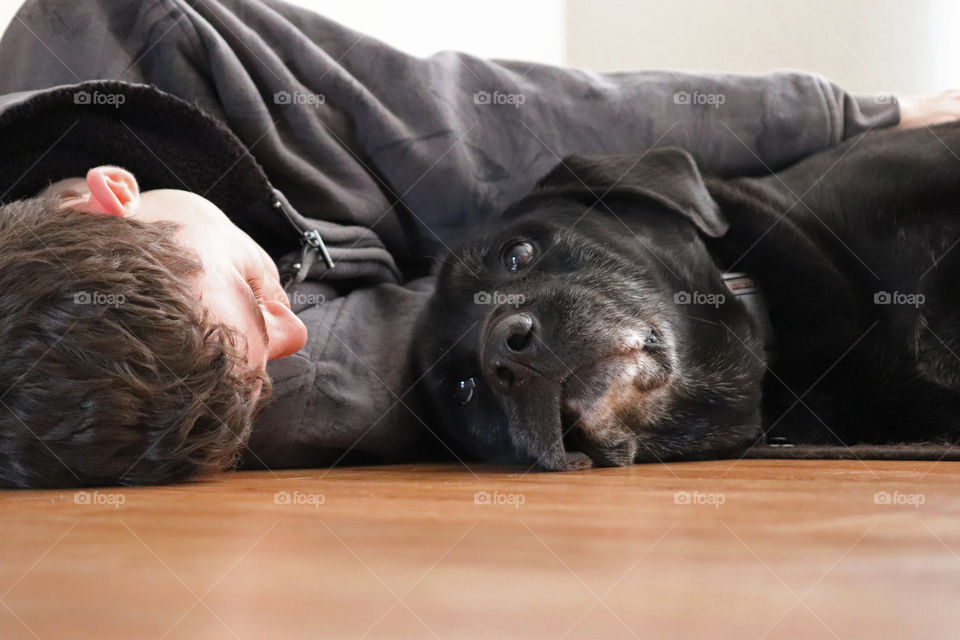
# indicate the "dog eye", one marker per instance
pixel 517 254
pixel 464 391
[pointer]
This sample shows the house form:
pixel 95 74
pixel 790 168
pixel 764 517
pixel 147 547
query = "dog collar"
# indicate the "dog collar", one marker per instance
pixel 744 287
pixel 747 289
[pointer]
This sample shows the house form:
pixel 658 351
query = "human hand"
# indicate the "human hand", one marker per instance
pixel 929 109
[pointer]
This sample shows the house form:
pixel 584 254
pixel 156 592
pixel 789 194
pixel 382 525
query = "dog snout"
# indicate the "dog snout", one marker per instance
pixel 511 351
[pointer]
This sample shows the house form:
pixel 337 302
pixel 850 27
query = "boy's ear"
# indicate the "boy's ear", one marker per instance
pixel 113 191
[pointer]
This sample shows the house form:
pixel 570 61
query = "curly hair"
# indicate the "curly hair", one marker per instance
pixel 110 370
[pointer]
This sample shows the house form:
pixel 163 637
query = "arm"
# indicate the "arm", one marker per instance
pixel 523 115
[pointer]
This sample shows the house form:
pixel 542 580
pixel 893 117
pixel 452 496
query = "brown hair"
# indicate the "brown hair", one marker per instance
pixel 110 370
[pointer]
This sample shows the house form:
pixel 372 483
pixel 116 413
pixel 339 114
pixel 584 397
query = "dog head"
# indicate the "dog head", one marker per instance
pixel 589 325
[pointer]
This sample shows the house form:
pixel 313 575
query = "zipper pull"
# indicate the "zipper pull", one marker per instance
pixel 312 238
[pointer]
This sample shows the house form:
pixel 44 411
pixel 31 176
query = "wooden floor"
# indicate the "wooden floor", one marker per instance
pixel 751 549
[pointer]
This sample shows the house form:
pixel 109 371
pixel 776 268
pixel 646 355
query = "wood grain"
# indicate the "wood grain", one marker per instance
pixel 749 549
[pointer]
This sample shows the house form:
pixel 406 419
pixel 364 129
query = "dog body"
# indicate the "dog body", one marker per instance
pixel 591 323
pixel 854 249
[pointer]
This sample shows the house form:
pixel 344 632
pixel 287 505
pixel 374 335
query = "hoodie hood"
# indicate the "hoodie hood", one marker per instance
pixel 168 143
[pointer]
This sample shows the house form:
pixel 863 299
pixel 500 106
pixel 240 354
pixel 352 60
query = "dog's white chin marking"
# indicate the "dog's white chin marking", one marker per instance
pixel 628 392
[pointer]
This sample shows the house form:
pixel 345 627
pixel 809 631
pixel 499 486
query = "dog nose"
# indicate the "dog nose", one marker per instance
pixel 511 348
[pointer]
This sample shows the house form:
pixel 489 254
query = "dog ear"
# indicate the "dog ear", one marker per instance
pixel 667 175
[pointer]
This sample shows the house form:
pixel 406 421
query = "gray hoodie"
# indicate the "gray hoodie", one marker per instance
pixel 327 145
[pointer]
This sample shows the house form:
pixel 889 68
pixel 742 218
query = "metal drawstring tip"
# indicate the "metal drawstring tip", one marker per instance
pixel 312 238
pixel 326 255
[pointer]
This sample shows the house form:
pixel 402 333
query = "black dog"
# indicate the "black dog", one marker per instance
pixel 592 323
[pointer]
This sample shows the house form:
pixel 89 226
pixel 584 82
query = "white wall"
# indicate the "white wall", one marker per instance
pixel 7 9
pixel 534 30
pixel 521 29
pixel 863 45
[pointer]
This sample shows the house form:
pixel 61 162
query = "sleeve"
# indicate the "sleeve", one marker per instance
pixel 731 123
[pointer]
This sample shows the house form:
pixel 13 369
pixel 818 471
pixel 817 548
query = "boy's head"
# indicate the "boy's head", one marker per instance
pixel 134 334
